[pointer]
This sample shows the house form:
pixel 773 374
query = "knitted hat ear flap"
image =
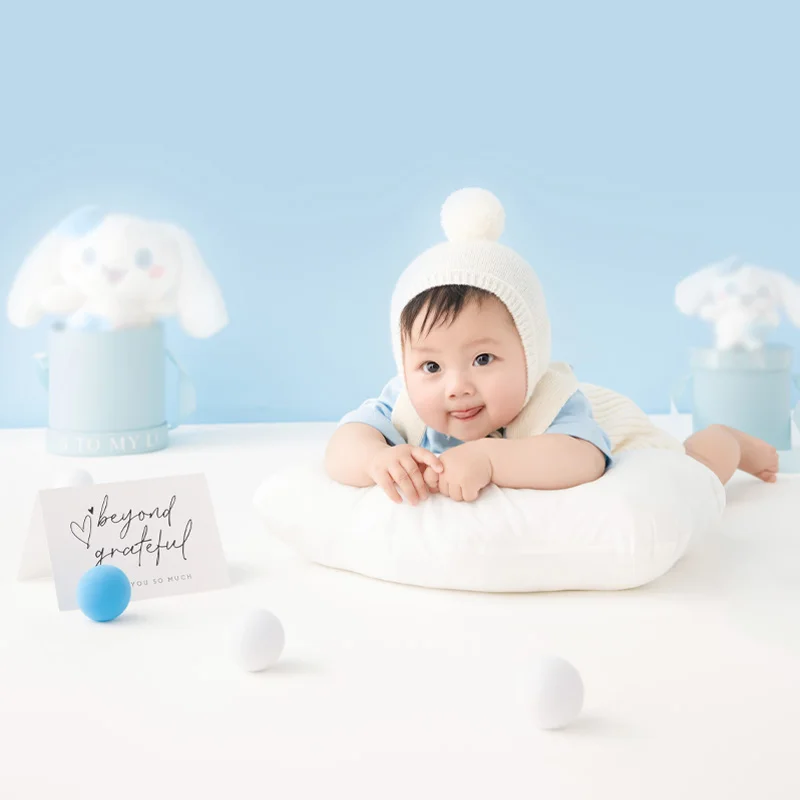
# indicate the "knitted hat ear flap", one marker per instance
pixel 406 420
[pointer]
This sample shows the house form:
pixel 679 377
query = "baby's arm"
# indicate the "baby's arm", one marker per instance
pixel 356 457
pixel 350 452
pixel 572 451
pixel 360 435
pixel 549 461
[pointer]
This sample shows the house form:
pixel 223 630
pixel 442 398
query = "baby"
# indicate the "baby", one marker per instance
pixel 476 399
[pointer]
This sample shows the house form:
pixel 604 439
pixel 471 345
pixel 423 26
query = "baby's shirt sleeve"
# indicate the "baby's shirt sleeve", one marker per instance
pixel 576 419
pixel 377 412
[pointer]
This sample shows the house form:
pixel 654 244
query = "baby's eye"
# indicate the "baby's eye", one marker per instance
pixel 484 359
pixel 143 257
pixel 434 367
pixel 89 256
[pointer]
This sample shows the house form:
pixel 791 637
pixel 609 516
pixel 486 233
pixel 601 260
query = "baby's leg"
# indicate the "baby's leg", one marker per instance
pixel 724 450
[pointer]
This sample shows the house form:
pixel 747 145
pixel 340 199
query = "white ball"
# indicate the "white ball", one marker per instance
pixel 472 214
pixel 557 692
pixel 72 478
pixel 260 641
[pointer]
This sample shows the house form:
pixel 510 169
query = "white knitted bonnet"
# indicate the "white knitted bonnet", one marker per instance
pixel 473 220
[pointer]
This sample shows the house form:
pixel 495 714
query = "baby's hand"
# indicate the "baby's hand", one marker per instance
pixel 431 478
pixel 399 466
pixel 467 469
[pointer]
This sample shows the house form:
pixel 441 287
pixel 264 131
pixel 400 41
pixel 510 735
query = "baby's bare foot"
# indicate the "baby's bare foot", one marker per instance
pixel 758 457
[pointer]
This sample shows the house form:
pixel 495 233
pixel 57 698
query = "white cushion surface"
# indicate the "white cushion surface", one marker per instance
pixel 623 530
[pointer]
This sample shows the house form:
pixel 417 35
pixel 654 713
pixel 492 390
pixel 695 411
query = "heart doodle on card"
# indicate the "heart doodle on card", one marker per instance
pixel 76 529
pixel 91 510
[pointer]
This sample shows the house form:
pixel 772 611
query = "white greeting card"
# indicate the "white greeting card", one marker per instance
pixel 161 532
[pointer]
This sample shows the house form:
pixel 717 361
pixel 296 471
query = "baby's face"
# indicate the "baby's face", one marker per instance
pixel 468 378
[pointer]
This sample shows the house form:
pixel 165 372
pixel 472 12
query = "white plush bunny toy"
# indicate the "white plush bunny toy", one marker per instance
pixel 741 300
pixel 113 271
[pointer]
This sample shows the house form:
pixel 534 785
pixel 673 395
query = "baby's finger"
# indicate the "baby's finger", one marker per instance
pixel 444 486
pixel 470 494
pixel 387 484
pixel 455 493
pixel 415 473
pixel 424 456
pixel 431 479
pixel 404 482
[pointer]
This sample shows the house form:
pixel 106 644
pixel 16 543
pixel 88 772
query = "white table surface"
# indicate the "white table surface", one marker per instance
pixel 387 691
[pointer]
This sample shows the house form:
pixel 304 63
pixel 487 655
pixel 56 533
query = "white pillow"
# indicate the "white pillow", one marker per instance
pixel 623 530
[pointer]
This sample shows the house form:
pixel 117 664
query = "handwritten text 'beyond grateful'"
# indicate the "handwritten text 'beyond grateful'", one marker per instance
pixel 122 523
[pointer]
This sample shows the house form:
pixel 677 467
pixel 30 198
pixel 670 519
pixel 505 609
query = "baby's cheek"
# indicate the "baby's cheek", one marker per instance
pixel 428 413
pixel 507 404
pixel 429 410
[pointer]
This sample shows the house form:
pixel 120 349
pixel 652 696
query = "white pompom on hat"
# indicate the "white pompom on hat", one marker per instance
pixel 473 220
pixel 472 214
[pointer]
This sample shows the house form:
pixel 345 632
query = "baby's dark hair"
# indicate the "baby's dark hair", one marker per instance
pixel 440 304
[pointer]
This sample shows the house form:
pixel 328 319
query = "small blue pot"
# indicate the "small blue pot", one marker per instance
pixel 749 391
pixel 107 391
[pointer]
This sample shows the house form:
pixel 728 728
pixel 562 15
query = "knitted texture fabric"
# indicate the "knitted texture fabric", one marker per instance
pixel 627 426
pixel 485 265
pixel 473 219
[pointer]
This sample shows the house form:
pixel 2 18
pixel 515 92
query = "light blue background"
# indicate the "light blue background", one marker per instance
pixel 308 148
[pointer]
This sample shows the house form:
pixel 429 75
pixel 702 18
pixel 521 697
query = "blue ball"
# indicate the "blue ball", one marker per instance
pixel 103 593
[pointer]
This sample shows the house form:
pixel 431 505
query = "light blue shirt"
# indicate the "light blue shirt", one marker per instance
pixel 574 419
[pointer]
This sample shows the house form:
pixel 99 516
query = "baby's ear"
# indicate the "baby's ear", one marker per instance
pixel 692 293
pixel 201 309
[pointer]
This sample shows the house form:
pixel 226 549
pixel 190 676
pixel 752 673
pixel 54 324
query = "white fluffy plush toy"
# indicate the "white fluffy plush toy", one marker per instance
pixel 742 301
pixel 116 271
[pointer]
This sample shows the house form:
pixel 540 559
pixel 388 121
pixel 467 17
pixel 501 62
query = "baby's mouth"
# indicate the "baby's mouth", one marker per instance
pixel 469 413
pixel 113 276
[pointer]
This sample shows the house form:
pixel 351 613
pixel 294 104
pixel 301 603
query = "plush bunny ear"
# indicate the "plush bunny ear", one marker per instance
pixel 692 293
pixel 789 293
pixel 36 277
pixel 38 288
pixel 201 309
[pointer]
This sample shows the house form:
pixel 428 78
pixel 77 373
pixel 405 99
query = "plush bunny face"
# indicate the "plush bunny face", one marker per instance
pixel 743 301
pixel 121 270
pixel 746 294
pixel 748 287
pixel 122 259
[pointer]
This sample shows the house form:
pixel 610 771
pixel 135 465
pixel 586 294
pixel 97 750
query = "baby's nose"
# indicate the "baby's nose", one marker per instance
pixel 460 385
